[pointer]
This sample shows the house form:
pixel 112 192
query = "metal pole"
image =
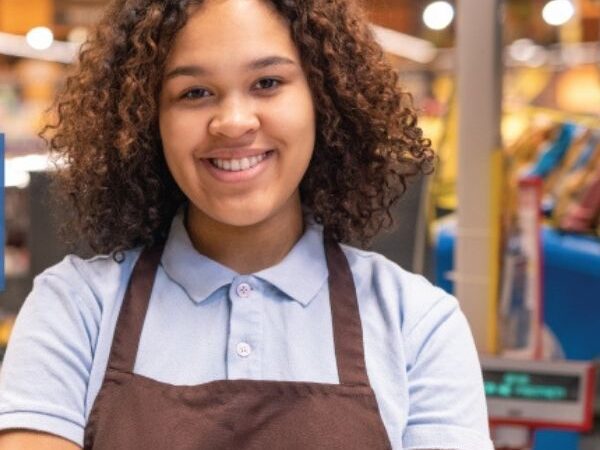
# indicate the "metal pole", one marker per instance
pixel 479 99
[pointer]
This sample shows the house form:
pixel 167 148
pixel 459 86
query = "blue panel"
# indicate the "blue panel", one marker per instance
pixel 556 440
pixel 572 292
pixel 444 254
pixel 577 254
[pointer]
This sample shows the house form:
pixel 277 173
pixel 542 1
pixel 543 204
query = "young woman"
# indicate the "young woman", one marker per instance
pixel 218 152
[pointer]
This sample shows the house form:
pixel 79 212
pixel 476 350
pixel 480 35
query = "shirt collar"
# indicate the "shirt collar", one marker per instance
pixel 300 275
pixel 198 275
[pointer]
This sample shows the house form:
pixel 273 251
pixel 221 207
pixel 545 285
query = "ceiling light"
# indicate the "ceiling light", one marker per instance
pixel 404 45
pixel 40 38
pixel 17 45
pixel 558 12
pixel 438 15
pixel 17 169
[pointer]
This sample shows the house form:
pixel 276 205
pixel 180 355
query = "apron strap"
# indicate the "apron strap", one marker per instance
pixel 347 328
pixel 133 311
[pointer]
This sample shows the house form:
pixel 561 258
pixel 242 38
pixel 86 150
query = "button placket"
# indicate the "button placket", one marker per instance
pixel 245 331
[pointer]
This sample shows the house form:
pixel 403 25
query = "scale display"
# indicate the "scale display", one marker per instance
pixel 511 384
pixel 540 393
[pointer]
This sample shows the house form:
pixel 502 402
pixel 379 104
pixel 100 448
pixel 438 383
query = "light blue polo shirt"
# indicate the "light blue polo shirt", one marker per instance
pixel 205 322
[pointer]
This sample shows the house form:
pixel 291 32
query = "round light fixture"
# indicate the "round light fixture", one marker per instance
pixel 522 50
pixel 558 12
pixel 438 15
pixel 40 38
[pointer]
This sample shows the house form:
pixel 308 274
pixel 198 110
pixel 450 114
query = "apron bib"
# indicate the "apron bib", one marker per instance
pixel 136 412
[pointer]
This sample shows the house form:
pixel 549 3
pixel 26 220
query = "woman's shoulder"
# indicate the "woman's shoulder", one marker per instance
pixel 96 276
pixel 95 263
pixel 412 295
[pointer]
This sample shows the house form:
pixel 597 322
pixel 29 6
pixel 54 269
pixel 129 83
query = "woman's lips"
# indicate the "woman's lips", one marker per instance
pixel 235 170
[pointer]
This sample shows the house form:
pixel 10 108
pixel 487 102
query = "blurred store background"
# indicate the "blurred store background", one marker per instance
pixel 549 77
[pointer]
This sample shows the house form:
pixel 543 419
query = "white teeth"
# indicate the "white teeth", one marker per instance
pixel 245 164
pixel 237 165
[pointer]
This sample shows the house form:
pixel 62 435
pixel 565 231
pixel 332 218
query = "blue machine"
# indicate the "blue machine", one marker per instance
pixel 571 270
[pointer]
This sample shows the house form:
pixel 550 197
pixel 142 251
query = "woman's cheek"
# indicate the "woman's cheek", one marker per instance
pixel 182 133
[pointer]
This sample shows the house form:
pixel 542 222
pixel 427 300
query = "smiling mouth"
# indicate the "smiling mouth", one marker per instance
pixel 239 164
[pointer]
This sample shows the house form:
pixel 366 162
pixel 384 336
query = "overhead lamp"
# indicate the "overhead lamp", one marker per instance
pixel 527 52
pixel 558 12
pixel 17 169
pixel 522 50
pixel 17 45
pixel 40 38
pixel 438 15
pixel 404 45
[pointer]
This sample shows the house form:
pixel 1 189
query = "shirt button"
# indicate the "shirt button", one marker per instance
pixel 243 290
pixel 244 349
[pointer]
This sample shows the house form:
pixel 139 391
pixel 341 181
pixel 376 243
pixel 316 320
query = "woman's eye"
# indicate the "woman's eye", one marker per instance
pixel 267 83
pixel 195 93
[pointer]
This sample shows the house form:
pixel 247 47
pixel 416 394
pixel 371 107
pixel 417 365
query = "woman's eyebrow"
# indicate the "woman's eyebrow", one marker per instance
pixel 270 61
pixel 262 63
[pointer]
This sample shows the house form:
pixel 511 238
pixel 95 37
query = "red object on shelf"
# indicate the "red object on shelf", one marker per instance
pixel 584 213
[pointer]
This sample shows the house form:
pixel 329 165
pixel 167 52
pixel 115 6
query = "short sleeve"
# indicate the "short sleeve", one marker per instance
pixel 447 407
pixel 45 373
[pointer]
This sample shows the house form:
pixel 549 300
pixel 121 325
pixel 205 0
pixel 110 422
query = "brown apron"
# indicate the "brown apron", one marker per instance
pixel 135 412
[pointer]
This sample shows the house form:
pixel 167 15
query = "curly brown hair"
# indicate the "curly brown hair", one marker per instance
pixel 106 124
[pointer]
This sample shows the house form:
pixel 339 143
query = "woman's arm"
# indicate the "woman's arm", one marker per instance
pixel 47 366
pixel 447 400
pixel 26 440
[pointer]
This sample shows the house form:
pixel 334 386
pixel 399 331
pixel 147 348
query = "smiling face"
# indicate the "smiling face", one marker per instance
pixel 236 114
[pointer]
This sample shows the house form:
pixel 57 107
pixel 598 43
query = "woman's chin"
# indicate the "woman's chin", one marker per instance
pixel 251 211
pixel 240 218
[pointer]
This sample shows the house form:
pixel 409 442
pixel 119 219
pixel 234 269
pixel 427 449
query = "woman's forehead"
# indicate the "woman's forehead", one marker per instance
pixel 220 21
pixel 233 31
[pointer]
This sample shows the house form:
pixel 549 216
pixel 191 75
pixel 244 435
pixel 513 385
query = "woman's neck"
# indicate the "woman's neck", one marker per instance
pixel 246 249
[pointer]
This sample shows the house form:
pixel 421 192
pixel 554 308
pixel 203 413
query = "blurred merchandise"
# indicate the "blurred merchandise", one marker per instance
pixel 583 214
pixel 566 156
pixel 521 299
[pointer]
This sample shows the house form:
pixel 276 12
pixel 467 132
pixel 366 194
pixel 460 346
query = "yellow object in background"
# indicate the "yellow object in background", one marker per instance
pixel 496 240
pixel 578 90
pixel 6 326
pixel 522 85
pixel 38 79
pixel 444 181
pixel 20 16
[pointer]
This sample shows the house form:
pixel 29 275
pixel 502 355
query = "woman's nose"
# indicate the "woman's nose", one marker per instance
pixel 235 118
